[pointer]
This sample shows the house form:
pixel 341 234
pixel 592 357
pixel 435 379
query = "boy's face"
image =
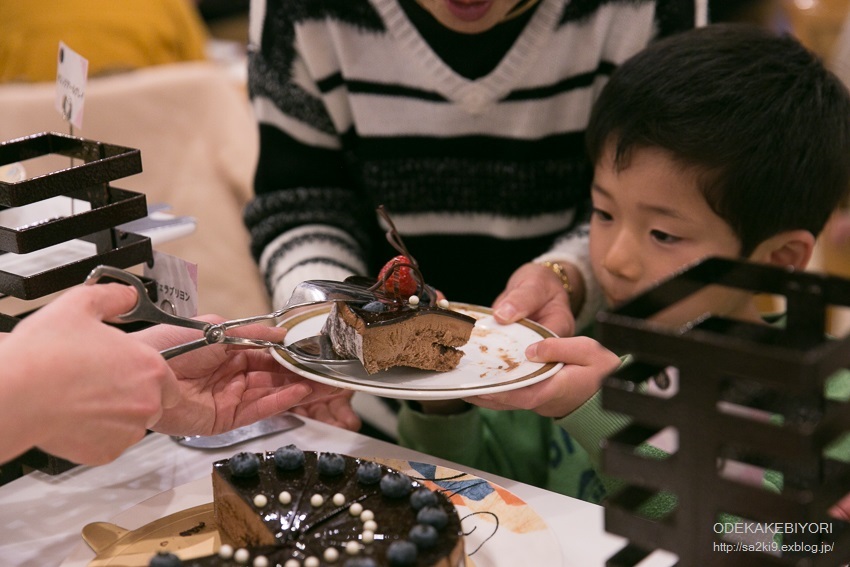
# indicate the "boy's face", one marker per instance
pixel 650 220
pixel 469 16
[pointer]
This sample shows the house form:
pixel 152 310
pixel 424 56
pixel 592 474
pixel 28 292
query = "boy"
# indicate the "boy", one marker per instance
pixel 724 141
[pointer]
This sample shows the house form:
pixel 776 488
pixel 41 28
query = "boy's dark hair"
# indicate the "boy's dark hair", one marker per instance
pixel 763 122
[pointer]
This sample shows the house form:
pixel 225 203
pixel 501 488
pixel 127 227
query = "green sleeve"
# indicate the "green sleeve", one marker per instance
pixel 838 389
pixel 589 425
pixel 514 444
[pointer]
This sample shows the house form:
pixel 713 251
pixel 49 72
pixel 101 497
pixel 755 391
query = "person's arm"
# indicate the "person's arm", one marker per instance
pixel 75 387
pixel 557 289
pixel 586 364
pixel 334 410
pixel 837 388
pixel 513 444
pixel 85 391
pixel 497 440
pixel 306 219
pixel 222 387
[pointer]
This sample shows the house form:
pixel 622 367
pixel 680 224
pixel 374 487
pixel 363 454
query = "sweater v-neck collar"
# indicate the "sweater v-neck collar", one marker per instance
pixel 474 95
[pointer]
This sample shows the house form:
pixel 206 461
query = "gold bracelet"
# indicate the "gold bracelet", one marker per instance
pixel 559 271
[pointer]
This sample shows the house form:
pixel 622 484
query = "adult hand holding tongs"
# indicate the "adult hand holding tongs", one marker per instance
pixel 310 292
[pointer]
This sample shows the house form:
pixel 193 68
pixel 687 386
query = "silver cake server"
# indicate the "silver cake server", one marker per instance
pixel 317 349
pixel 275 424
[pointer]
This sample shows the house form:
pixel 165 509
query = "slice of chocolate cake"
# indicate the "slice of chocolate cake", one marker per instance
pixel 294 508
pixel 421 337
pixel 408 326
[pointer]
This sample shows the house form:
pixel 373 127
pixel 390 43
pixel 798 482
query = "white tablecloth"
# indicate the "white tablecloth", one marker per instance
pixel 42 515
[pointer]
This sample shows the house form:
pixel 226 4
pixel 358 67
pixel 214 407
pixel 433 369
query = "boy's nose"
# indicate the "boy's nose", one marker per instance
pixel 623 258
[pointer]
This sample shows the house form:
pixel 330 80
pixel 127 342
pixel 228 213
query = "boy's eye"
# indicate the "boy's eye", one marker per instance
pixel 664 237
pixel 601 215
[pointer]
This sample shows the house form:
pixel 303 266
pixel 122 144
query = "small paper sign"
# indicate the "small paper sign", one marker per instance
pixel 71 73
pixel 176 284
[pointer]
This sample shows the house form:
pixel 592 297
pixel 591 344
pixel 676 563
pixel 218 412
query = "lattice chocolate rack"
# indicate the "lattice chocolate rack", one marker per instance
pixel 110 207
pixel 87 181
pixel 723 364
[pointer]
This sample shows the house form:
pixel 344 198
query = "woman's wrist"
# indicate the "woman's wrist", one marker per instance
pixel 23 420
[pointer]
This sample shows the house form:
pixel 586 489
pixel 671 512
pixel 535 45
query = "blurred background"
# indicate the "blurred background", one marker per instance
pixel 169 77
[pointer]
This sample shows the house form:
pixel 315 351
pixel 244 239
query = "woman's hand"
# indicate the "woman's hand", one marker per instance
pixel 536 292
pixel 223 387
pixel 334 410
pixel 85 391
pixel 76 387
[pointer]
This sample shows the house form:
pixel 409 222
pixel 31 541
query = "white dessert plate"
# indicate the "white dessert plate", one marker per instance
pixel 494 361
pixel 499 527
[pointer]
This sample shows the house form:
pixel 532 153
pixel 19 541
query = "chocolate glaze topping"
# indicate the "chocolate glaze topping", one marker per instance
pixel 402 314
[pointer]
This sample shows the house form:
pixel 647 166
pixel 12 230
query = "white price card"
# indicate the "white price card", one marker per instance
pixel 176 284
pixel 71 72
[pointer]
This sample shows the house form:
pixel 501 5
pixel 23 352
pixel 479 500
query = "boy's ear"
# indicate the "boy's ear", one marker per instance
pixel 789 249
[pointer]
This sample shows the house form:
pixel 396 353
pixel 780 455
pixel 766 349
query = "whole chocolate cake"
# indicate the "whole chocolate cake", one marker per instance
pixel 408 326
pixel 294 508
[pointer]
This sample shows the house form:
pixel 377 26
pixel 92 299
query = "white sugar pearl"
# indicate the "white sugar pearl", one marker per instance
pixel 368 536
pixel 331 554
pixel 352 548
pixel 225 551
pixel 444 303
pixel 312 562
pixel 241 556
pixel 260 500
pixel 413 300
pixel 339 499
pixel 261 561
pixel 370 525
pixel 355 509
pixel 284 497
pixel 292 563
pixel 367 515
pixel 316 500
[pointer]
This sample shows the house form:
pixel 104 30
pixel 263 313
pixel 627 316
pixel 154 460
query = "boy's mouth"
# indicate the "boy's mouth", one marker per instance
pixel 469 11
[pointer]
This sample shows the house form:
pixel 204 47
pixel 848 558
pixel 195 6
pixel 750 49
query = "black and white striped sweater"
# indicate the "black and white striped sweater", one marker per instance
pixel 480 175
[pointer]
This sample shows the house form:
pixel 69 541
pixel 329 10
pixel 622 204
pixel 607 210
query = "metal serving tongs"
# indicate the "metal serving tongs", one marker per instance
pixel 310 292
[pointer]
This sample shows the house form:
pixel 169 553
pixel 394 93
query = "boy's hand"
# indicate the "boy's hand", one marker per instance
pixel 535 292
pixel 587 363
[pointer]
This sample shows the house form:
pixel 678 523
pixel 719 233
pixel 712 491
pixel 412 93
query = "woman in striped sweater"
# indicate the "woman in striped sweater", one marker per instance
pixel 464 118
